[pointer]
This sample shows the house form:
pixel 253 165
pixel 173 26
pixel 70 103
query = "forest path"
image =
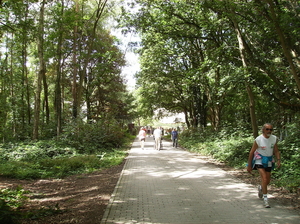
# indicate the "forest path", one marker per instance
pixel 175 186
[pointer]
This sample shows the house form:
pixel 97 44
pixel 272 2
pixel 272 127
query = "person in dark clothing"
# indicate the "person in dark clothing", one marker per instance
pixel 174 136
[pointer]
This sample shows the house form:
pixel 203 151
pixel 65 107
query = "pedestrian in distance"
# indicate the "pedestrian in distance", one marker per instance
pixel 142 137
pixel 174 137
pixel 261 159
pixel 157 138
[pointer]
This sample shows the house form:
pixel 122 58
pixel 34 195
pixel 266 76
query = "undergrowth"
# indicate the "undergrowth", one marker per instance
pixel 233 148
pixel 79 154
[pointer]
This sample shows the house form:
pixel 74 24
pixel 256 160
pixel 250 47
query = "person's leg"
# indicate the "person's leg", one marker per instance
pixel 142 144
pixel 158 143
pixel 265 179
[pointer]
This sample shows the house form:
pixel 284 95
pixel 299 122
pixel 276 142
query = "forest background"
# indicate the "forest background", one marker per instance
pixel 228 66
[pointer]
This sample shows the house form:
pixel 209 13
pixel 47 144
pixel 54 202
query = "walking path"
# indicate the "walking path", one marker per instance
pixel 175 186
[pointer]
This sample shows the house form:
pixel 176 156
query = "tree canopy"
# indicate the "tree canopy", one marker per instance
pixel 59 63
pixel 217 60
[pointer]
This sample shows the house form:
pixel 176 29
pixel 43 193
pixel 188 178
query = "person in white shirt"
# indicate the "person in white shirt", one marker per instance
pixel 261 159
pixel 157 137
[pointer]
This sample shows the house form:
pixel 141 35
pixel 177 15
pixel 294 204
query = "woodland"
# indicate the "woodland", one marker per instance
pixel 228 65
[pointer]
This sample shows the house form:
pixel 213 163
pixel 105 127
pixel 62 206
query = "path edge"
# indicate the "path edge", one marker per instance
pixel 113 195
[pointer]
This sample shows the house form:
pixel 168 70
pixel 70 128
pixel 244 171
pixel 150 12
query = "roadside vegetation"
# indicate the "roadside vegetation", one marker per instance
pixel 232 147
pixel 88 148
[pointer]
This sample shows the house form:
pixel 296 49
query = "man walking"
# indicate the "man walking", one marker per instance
pixel 261 158
pixel 157 137
pixel 174 136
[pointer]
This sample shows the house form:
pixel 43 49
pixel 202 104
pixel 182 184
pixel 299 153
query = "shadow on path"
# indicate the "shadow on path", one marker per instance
pixel 174 186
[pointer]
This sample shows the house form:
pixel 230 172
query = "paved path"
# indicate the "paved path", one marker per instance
pixel 175 186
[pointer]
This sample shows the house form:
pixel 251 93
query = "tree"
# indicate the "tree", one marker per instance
pixel 227 41
pixel 40 74
pixel 83 67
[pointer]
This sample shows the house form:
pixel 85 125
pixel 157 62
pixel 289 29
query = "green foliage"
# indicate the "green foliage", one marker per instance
pixel 42 212
pixel 59 166
pixel 6 214
pixel 190 61
pixel 288 175
pixel 10 202
pixel 90 137
pixel 82 148
pixel 232 147
pixel 224 146
pixel 48 159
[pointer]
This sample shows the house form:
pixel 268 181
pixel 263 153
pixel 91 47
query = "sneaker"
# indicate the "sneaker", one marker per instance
pixel 266 203
pixel 260 193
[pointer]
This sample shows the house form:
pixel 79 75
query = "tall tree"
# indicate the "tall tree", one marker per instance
pixel 41 72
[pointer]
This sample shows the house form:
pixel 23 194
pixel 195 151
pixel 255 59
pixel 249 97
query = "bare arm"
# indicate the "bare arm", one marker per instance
pixel 251 154
pixel 277 154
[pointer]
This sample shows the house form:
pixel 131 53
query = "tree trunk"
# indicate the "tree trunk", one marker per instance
pixel 248 87
pixel 99 11
pixel 58 95
pixel 12 92
pixel 46 102
pixel 75 68
pixel 41 73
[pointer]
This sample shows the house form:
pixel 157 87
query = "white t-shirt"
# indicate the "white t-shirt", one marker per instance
pixel 157 133
pixel 265 147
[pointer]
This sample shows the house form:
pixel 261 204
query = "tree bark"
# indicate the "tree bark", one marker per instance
pixel 75 67
pixel 248 87
pixel 99 11
pixel 40 74
pixel 58 97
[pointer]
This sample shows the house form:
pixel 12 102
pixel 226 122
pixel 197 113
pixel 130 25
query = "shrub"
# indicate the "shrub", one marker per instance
pixel 233 149
pixel 10 202
pixel 90 137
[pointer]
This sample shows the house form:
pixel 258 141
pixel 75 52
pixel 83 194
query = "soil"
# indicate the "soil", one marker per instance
pixel 83 198
pixel 75 199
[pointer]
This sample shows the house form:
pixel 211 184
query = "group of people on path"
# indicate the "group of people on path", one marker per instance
pixel 157 135
pixel 261 155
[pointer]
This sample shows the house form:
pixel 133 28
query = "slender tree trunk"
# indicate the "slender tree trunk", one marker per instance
pixel 41 73
pixel 75 67
pixel 46 101
pixel 99 11
pixel 58 100
pixel 12 91
pixel 248 87
pixel 187 119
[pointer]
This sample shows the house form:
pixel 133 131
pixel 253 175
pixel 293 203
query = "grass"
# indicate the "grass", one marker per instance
pixel 48 159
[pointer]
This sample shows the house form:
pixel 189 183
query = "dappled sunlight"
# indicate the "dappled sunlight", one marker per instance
pixel 173 184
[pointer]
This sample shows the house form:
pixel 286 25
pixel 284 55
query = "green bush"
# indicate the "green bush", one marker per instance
pixel 10 202
pixel 56 159
pixel 288 175
pixel 90 137
pixel 6 213
pixel 233 149
pixel 60 167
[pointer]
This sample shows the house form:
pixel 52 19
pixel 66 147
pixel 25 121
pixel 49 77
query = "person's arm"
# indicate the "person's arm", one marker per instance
pixel 277 154
pixel 251 154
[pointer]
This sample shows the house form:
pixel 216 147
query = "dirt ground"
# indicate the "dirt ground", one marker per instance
pixel 83 198
pixel 80 198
